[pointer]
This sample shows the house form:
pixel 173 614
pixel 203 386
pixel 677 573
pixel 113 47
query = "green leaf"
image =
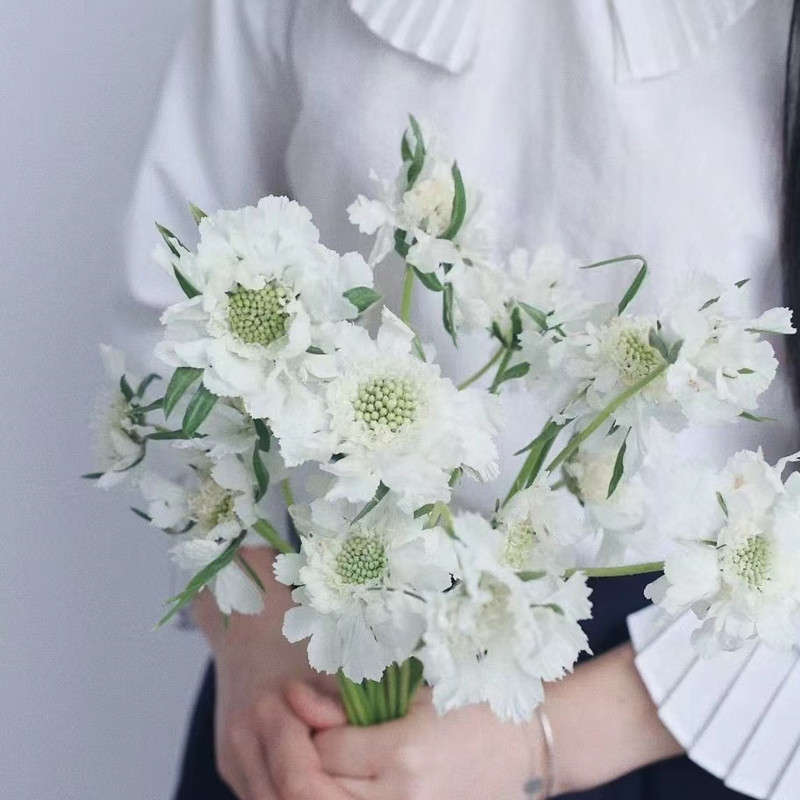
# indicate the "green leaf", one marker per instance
pixel 498 334
pixel 264 434
pixel 459 205
pixel 405 149
pixel 401 246
pixel 170 238
pixel 201 579
pixel 675 351
pixel 637 282
pixel 746 371
pixel 722 504
pixel 739 284
pixel 516 325
pixel 198 409
pixel 380 493
pixel 619 467
pixel 362 297
pixel 187 287
pixel 633 289
pixel 709 303
pixel 92 476
pixel 755 418
pixel 658 343
pixel 249 571
pixel 164 436
pixel 140 513
pixel 145 383
pixel 197 213
pixel 539 317
pixel 429 280
pixel 125 388
pixel 418 157
pixel 548 433
pixel 181 380
pixel 154 406
pixel 447 312
pixel 423 511
pixel 512 373
pixel 262 476
pixel 531 576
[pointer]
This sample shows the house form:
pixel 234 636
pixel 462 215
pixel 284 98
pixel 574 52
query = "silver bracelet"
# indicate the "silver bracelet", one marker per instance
pixel 541 788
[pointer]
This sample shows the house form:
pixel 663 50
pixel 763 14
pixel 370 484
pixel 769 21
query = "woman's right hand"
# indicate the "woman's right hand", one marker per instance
pixel 264 750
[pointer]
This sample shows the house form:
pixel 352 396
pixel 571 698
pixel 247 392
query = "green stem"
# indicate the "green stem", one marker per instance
pixel 380 704
pixel 604 415
pixel 408 294
pixel 391 686
pixel 269 534
pixel 538 452
pixel 353 701
pixel 482 371
pixel 507 353
pixel 288 495
pixel 404 688
pixel 619 572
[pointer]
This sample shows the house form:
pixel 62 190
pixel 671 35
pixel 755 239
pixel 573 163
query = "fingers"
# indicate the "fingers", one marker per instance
pixel 294 765
pixel 252 764
pixel 317 709
pixel 354 752
pixel 362 789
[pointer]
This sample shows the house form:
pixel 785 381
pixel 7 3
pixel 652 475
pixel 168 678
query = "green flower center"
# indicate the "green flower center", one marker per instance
pixel 258 316
pixel 362 559
pixel 211 505
pixel 387 403
pixel 751 561
pixel 519 543
pixel 635 358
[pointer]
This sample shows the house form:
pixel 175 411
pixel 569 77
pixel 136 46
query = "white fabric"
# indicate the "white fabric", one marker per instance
pixel 544 104
pixel 734 714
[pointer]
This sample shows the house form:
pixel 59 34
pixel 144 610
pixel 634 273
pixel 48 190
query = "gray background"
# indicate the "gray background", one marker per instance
pixel 92 703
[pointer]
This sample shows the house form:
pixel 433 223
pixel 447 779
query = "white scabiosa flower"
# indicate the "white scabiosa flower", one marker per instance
pixel 358 585
pixel 393 419
pixel 618 519
pixel 724 365
pixel 421 208
pixel 270 298
pixel 540 527
pixel 208 516
pixel 118 436
pixel 741 573
pixel 233 589
pixel 218 505
pixel 494 637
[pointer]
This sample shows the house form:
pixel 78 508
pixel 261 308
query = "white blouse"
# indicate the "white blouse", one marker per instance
pixel 605 126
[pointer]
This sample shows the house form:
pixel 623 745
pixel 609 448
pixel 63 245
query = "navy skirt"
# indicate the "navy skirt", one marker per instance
pixel 614 600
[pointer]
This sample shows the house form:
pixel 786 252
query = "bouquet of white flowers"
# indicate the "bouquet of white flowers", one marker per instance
pixel 274 367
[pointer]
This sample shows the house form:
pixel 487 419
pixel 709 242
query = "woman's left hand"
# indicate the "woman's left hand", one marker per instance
pixel 466 754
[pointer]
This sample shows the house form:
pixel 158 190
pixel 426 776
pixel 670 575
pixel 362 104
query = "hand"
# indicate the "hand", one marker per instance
pixel 264 750
pixel 465 754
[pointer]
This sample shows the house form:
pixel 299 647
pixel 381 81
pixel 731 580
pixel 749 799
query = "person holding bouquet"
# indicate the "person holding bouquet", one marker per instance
pixel 604 128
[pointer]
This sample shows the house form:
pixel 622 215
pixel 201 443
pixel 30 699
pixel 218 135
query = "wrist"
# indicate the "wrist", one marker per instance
pixel 541 782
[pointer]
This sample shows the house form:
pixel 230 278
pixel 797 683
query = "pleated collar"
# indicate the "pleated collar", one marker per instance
pixel 656 37
pixel 652 38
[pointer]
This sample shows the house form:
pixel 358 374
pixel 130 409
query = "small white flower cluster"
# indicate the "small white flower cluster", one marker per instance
pixel 273 370
pixel 737 565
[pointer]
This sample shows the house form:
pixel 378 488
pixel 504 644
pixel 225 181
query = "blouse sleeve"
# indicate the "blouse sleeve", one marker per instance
pixel 218 140
pixel 734 714
pixel 220 132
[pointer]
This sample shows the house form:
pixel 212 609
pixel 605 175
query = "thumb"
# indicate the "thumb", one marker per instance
pixel 318 710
